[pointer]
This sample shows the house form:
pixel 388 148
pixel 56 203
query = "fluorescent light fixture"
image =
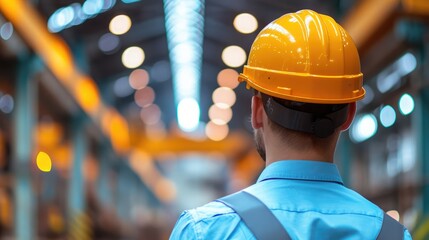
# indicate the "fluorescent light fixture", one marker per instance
pixel 130 1
pixel 184 23
pixel 406 104
pixel 391 76
pixel 387 116
pixel 364 128
pixel 76 14
pixel 188 114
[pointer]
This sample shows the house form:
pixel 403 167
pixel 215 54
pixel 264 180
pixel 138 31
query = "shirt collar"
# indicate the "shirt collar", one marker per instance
pixel 301 170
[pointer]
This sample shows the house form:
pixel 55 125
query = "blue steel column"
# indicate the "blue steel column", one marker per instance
pixel 24 118
pixel 123 186
pixel 422 131
pixel 103 176
pixel 76 197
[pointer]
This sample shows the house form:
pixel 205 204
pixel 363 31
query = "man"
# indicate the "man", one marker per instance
pixel 305 71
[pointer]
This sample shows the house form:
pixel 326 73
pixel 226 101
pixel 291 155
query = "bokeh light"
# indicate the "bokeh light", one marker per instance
pixel 6 31
pixel 43 162
pixel 406 104
pixel 216 132
pixel 120 24
pixel 234 56
pixel 188 114
pixel 6 103
pixel 150 115
pixel 220 115
pixel 228 78
pixel 245 23
pixel 224 97
pixel 133 57
pixel 144 97
pixel 364 128
pixel 122 88
pixel 108 43
pixel 139 79
pixel 387 116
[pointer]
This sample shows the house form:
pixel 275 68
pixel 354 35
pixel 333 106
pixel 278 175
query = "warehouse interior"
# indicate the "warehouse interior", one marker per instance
pixel 117 115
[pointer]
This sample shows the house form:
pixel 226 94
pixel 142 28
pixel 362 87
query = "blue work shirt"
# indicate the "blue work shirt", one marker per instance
pixel 309 199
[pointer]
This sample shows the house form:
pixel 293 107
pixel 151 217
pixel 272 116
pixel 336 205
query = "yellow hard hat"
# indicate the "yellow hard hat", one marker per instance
pixel 305 57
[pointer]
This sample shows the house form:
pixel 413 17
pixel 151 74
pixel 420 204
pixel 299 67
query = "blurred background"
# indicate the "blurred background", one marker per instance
pixel 117 115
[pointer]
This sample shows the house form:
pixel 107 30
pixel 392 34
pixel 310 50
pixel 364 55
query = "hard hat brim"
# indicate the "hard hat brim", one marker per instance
pixel 304 87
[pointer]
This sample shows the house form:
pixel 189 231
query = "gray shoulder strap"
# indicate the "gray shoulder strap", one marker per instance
pixel 391 229
pixel 256 215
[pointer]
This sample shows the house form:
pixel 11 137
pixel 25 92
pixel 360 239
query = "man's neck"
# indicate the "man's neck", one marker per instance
pixel 277 150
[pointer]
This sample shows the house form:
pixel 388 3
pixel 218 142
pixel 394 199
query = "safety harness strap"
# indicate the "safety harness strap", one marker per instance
pixel 264 225
pixel 391 229
pixel 256 215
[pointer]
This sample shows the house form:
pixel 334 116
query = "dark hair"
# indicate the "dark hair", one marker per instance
pixel 291 119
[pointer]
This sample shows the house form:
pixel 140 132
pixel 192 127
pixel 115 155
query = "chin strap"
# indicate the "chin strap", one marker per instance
pixel 320 125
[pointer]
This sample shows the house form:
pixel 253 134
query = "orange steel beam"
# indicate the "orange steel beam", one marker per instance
pixel 234 144
pixel 59 59
pixel 367 17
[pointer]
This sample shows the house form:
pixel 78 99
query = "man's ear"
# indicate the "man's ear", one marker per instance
pixel 350 116
pixel 257 112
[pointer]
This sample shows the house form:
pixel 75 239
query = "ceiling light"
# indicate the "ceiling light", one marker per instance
pixel 76 13
pixel 387 116
pixel 61 19
pixel 391 76
pixel 120 24
pixel 245 23
pixel 133 57
pixel 188 113
pixel 228 78
pixel 216 132
pixel 139 79
pixel 184 23
pixel 224 97
pixel 233 56
pixel 220 115
pixel 92 7
pixel 130 1
pixel 144 97
pixel 364 128
pixel 406 104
